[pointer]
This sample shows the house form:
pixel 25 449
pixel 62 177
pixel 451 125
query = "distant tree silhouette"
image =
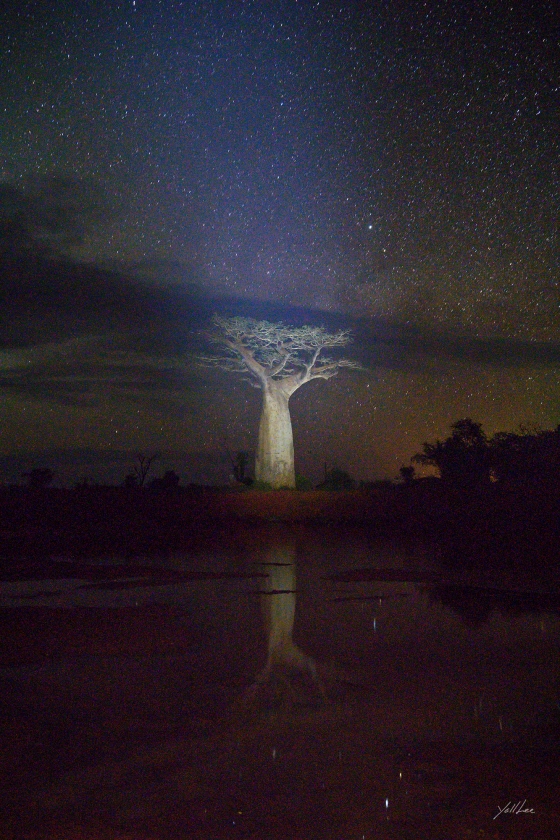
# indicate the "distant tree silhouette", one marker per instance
pixel 407 474
pixel 337 479
pixel 239 465
pixel 513 457
pixel 142 467
pixel 526 458
pixel 463 459
pixel 39 477
pixel 84 483
pixel 376 484
pixel 240 468
pixel 520 459
pixel 169 481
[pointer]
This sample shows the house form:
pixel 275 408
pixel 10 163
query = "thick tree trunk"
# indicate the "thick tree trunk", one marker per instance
pixel 275 454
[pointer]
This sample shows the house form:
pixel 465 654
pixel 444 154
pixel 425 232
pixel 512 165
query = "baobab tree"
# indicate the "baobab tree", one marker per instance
pixel 278 360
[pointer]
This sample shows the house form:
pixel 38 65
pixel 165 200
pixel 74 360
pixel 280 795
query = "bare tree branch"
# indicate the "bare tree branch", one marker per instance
pixel 278 360
pixel 291 355
pixel 142 468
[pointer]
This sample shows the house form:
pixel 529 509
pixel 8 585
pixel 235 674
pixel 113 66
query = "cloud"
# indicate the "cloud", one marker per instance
pixel 46 294
pixel 75 332
pixel 93 369
pixel 52 213
pixel 393 345
pixel 45 300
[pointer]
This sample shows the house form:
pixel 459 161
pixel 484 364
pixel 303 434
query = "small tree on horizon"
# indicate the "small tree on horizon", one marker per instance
pixel 143 466
pixel 39 478
pixel 278 360
pixel 407 475
pixel 337 479
pixel 169 481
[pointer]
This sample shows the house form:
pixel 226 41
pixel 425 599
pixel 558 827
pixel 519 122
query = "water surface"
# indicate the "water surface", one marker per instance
pixel 280 683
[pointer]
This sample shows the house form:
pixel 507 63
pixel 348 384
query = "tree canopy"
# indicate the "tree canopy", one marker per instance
pixel 469 458
pixel 273 351
pixel 463 458
pixel 278 360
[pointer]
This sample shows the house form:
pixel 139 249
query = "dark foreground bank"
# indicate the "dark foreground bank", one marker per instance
pixel 498 524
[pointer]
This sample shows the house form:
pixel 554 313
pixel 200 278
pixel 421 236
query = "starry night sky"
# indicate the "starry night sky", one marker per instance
pixel 389 167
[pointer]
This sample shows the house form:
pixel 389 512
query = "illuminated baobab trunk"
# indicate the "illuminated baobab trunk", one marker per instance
pixel 278 360
pixel 275 453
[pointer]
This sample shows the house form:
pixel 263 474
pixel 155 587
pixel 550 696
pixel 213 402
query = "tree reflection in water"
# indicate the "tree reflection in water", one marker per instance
pixel 289 678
